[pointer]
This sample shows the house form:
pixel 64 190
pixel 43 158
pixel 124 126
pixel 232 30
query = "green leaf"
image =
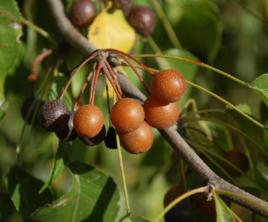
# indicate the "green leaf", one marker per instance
pixel 58 167
pixel 223 212
pixel 10 32
pixel 262 174
pixel 221 136
pixel 7 209
pixel 92 197
pixel 260 85
pixel 265 138
pixel 24 188
pixel 188 70
pixel 199 30
pixel 135 219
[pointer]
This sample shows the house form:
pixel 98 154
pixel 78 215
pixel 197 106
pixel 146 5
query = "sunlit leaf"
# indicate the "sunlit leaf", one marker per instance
pixel 10 32
pixel 260 85
pixel 111 30
pixel 223 212
pixel 92 197
pixel 135 219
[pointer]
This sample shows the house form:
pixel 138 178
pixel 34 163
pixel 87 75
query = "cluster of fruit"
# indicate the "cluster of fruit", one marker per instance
pixel 130 119
pixel 141 18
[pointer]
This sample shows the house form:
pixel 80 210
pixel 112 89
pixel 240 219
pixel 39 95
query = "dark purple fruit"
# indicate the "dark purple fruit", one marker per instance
pixel 54 115
pixel 96 139
pixel 82 13
pixel 67 131
pixel 30 109
pixel 142 19
pixel 125 5
pixel 110 139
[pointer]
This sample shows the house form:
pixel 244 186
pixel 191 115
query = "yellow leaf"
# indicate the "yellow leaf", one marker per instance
pixel 111 30
pixel 111 93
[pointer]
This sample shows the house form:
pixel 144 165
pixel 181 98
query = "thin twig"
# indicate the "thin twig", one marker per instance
pixel 171 135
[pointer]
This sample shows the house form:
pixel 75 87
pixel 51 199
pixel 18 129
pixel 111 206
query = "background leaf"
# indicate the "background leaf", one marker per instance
pixel 223 212
pixel 10 32
pixel 7 210
pixel 260 85
pixel 24 188
pixel 102 33
pixel 92 197
pixel 220 136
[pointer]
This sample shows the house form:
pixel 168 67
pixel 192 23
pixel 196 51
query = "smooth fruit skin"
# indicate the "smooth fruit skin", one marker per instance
pixel 88 121
pixel 160 115
pixel 142 19
pixel 53 115
pixel 168 86
pixel 127 114
pixel 138 141
pixel 82 13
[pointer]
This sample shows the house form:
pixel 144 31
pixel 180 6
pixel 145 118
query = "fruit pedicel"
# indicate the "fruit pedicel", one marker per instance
pixel 131 119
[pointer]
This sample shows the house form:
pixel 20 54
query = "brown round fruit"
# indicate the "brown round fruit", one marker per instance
pixel 138 141
pixel 237 159
pixel 168 86
pixel 160 115
pixel 127 115
pixel 142 19
pixel 88 121
pixel 82 13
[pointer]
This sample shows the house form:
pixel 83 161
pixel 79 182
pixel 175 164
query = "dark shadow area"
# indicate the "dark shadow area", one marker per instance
pixel 102 203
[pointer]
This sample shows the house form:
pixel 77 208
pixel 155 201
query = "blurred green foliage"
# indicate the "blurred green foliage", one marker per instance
pixel 228 34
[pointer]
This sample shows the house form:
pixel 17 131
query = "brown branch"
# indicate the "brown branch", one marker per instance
pixel 223 187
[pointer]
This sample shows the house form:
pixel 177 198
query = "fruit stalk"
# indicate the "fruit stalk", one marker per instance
pixel 79 42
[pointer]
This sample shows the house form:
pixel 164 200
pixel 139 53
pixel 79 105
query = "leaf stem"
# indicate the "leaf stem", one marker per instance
pixel 153 45
pixel 198 63
pixel 165 21
pixel 179 199
pixel 121 163
pixel 227 103
pixel 39 30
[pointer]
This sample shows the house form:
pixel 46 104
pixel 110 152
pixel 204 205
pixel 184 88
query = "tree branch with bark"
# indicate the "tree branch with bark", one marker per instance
pixel 179 145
